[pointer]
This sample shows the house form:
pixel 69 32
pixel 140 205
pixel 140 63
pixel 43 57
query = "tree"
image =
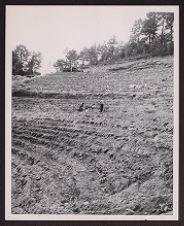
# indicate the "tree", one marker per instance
pixel 90 55
pixel 169 24
pixel 167 20
pixel 34 62
pixel 118 53
pixel 102 52
pixel 59 65
pixel 93 55
pixel 83 55
pixel 72 56
pixel 150 27
pixel 111 48
pixel 16 64
pixel 108 50
pixel 137 31
pixel 19 60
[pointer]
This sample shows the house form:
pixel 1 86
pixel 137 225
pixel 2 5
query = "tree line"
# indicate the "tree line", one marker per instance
pixel 96 54
pixel 152 36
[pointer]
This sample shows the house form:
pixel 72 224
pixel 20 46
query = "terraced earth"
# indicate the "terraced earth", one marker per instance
pixel 115 162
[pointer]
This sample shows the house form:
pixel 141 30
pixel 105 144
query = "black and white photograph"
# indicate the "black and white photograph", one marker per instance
pixel 92 102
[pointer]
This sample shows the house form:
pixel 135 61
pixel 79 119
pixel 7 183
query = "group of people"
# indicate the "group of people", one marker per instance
pixel 82 107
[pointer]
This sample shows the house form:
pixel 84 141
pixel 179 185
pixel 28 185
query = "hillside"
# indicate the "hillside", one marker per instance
pixel 114 162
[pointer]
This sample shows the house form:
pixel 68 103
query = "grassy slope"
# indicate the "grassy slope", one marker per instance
pixel 58 152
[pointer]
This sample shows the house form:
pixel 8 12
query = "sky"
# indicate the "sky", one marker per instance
pixel 52 29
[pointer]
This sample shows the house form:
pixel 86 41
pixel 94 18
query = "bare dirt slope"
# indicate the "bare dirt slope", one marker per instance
pixel 115 162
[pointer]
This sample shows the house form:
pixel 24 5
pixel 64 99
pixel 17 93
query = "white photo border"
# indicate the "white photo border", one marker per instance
pixel 8 113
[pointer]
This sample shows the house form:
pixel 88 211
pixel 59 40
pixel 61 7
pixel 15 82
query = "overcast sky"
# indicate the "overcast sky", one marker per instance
pixel 52 29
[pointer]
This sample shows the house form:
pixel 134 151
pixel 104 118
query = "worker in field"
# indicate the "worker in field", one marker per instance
pixel 81 108
pixel 101 106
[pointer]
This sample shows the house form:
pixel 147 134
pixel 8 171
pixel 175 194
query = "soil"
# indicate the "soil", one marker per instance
pixel 118 161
